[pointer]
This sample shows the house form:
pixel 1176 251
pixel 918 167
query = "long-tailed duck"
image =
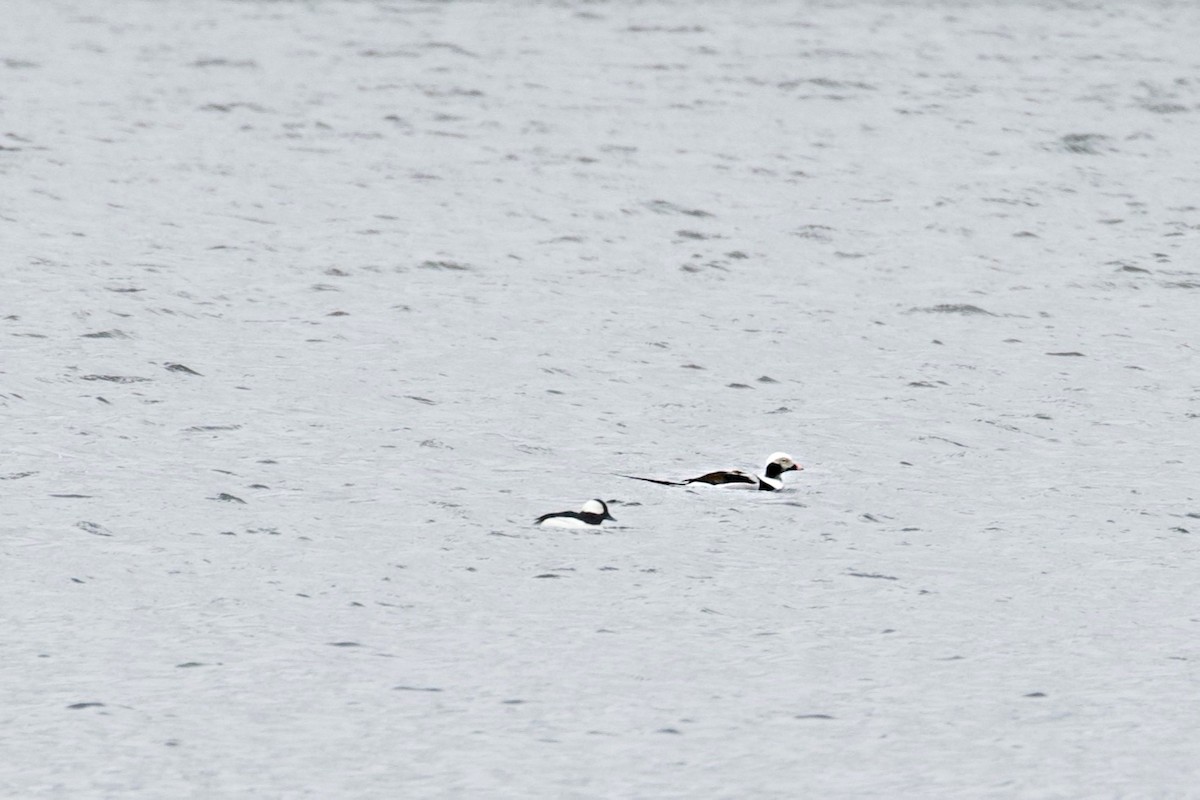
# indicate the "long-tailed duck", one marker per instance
pixel 770 481
pixel 591 515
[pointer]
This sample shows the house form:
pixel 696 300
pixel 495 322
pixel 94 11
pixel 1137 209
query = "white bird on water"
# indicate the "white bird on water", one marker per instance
pixel 593 513
pixel 770 481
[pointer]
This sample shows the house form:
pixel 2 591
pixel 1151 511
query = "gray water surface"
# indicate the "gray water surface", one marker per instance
pixel 308 309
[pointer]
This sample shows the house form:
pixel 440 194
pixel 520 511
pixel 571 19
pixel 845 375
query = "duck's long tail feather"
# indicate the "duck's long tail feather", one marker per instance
pixel 653 480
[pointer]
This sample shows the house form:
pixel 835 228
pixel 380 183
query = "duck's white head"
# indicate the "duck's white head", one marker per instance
pixel 783 462
pixel 597 507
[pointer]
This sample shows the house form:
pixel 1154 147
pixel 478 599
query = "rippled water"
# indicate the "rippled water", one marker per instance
pixel 308 310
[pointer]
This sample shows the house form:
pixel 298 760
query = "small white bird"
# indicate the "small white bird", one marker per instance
pixel 770 481
pixel 591 515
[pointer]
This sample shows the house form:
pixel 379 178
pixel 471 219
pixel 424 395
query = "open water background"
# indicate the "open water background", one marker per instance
pixel 307 309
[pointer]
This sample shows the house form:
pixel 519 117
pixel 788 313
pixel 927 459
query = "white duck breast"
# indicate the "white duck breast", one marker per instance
pixel 770 481
pixel 593 513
